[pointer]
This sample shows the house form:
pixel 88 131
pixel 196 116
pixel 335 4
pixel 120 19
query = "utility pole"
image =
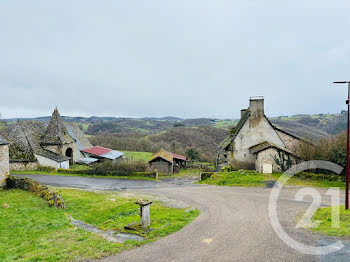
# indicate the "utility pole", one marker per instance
pixel 347 148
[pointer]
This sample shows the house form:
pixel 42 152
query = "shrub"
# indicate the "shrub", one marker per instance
pixel 120 168
pixel 226 169
pixel 206 175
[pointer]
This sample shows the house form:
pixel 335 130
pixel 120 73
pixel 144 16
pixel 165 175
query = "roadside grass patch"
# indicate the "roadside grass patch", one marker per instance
pixel 32 231
pixel 325 215
pixel 108 211
pixel 236 178
pixel 311 182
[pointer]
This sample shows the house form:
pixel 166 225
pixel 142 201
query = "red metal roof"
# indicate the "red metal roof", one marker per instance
pixel 97 150
pixel 178 156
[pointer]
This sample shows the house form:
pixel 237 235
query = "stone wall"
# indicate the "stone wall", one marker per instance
pixel 267 157
pixel 22 166
pixel 293 144
pixel 4 164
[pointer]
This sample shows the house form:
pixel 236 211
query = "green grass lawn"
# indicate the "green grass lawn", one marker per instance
pixel 32 231
pixel 297 181
pixel 253 179
pixel 236 178
pixel 144 156
pixel 325 215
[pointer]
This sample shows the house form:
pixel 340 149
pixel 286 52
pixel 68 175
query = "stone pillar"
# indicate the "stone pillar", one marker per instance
pixel 145 219
pixel 4 161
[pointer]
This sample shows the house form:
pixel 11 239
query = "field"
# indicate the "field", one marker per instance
pixel 31 231
pixel 132 155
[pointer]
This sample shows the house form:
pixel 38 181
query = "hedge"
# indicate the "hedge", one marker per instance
pixel 35 187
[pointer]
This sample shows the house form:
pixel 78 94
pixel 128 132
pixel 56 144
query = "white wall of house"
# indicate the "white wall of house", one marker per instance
pixel 251 134
pixel 44 161
pixel 4 164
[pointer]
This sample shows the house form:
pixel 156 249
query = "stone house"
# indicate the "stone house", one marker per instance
pixel 166 162
pixel 4 161
pixel 55 144
pixel 256 144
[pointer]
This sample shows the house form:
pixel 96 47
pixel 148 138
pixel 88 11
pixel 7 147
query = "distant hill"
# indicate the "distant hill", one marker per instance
pixel 176 134
pixel 311 126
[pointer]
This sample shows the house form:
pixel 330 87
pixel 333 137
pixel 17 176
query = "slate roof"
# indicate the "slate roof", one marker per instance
pixel 3 141
pixel 51 155
pixel 82 142
pixel 234 131
pixel 25 138
pixel 266 145
pixel 56 132
pixel 167 156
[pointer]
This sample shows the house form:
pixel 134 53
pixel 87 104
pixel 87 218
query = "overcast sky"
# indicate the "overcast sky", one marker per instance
pixel 185 58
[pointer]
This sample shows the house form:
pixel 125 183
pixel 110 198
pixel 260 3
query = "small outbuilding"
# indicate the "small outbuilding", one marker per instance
pixel 267 155
pixel 98 154
pixel 166 162
pixel 4 161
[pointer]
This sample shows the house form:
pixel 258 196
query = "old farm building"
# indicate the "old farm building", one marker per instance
pixel 256 144
pixel 56 144
pixel 166 162
pixel 98 153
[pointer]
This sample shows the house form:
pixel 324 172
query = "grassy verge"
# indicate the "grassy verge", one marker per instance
pixel 253 179
pixel 236 178
pixel 31 231
pixel 183 173
pixel 33 172
pixel 325 216
pixel 298 181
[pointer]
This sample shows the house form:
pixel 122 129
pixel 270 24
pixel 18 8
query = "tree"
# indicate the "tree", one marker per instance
pixel 192 154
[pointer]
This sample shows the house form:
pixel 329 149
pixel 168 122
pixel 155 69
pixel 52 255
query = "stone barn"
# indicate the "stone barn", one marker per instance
pixel 4 161
pixel 56 144
pixel 167 162
pixel 256 144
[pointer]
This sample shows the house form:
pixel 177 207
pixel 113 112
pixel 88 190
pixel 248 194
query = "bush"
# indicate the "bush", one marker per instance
pixel 226 169
pixel 206 175
pixel 120 168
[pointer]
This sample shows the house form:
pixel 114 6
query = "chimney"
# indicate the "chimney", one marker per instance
pixel 243 112
pixel 256 106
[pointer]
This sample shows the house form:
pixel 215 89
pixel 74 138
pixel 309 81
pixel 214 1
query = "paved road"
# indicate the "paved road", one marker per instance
pixel 233 224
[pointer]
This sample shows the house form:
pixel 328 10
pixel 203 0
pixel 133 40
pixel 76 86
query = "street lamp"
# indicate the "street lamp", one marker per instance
pixel 347 148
